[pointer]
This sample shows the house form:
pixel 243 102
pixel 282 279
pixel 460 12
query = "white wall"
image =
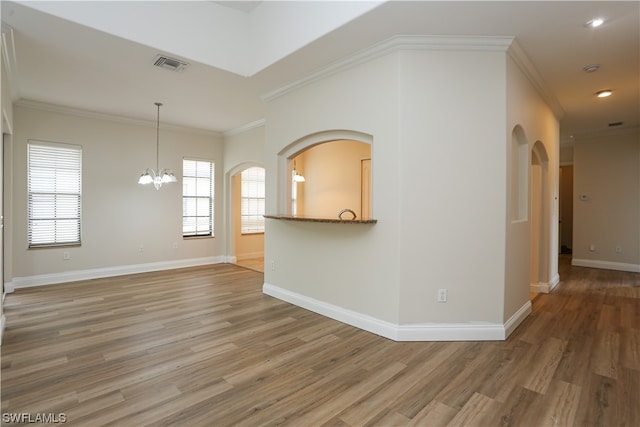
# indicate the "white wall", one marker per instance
pixel 242 149
pixel 119 216
pixel 526 108
pixel 6 124
pixel 452 186
pixel 607 173
pixel 7 178
pixel 353 266
pixel 438 120
pixel 246 146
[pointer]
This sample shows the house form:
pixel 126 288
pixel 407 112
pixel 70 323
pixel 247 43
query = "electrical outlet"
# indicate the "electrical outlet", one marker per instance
pixel 618 249
pixel 175 245
pixel 66 255
pixel 442 295
pixel 273 265
pixel 141 248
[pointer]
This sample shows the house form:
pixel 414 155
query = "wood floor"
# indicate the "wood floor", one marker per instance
pixel 204 347
pixel 256 264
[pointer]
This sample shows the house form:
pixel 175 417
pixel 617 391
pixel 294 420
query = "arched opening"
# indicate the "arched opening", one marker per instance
pixel 539 218
pixel 519 185
pixel 336 166
pixel 245 224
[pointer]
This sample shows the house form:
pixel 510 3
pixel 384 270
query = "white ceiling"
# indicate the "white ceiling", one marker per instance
pixel 62 62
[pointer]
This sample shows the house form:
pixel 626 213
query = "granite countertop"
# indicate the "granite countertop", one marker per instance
pixel 323 220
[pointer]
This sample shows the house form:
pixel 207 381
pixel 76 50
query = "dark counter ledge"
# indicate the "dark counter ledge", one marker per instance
pixel 323 220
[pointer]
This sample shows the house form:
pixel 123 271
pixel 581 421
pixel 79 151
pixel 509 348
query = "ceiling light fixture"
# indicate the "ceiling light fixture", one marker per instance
pixel 164 176
pixel 296 176
pixel 594 23
pixel 604 93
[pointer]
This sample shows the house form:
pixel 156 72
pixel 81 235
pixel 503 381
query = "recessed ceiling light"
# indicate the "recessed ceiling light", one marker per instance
pixel 591 68
pixel 604 93
pixel 594 23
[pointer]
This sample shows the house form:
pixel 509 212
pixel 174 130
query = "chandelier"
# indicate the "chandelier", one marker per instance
pixel 157 177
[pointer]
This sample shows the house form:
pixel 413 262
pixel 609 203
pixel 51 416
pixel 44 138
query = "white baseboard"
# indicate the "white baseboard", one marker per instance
pixel 518 317
pixel 538 288
pixel 472 331
pixel 545 287
pixel 2 322
pixel 607 265
pixel 96 273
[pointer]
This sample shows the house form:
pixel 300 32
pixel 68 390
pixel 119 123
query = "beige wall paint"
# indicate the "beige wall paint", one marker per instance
pixel 607 173
pixel 527 109
pixel 452 185
pixel 242 149
pixel 566 206
pixel 334 263
pixel 6 122
pixel 438 226
pixel 7 178
pixel 118 215
pixel 246 245
pixel 332 173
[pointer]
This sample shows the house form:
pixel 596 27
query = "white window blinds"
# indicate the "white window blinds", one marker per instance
pixel 54 185
pixel 252 201
pixel 197 198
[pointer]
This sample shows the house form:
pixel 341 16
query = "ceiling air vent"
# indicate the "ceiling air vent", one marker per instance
pixel 170 63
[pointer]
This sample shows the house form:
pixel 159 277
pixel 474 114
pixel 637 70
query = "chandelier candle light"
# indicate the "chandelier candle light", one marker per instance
pixel 150 176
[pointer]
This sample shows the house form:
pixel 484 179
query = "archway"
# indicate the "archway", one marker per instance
pixel 539 218
pixel 287 156
pixel 246 249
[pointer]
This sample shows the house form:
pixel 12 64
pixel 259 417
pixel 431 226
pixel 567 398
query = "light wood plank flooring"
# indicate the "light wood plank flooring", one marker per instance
pixel 204 347
pixel 256 264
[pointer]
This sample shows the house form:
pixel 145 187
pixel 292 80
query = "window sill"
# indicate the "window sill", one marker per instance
pixel 197 237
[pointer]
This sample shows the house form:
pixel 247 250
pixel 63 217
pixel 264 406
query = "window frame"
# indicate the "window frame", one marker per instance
pixel 186 180
pixel 58 196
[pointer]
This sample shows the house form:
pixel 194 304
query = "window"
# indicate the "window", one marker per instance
pixel 252 201
pixel 54 186
pixel 197 198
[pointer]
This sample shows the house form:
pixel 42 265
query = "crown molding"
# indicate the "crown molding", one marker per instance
pixel 245 128
pixel 60 109
pixel 10 60
pixel 394 44
pixel 524 63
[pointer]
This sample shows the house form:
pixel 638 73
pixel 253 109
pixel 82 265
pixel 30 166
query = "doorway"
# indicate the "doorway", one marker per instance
pixel 247 220
pixel 566 210
pixel 539 215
